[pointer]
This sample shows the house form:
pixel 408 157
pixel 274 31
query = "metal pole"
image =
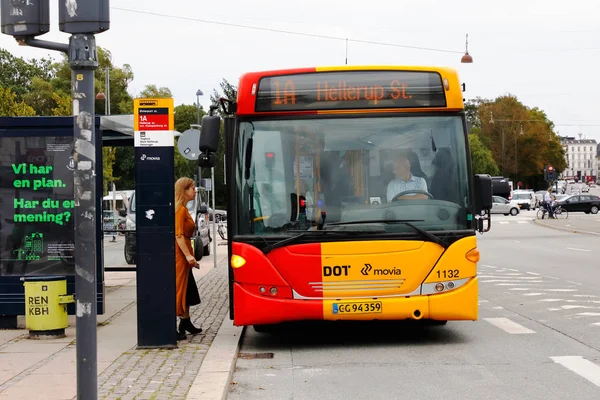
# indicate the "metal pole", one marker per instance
pixel 502 151
pixel 212 187
pixel 83 60
pixel 107 91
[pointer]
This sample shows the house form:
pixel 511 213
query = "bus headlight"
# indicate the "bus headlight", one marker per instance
pixel 237 261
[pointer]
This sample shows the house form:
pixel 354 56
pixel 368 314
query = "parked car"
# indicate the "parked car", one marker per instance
pixel 500 205
pixel 587 203
pixel 524 199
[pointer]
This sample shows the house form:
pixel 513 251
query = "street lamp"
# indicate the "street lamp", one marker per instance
pixel 198 94
pixel 466 59
pixel 517 155
pixel 502 158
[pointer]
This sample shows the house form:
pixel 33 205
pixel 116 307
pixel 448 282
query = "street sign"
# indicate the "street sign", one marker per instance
pixel 154 122
pixel 188 144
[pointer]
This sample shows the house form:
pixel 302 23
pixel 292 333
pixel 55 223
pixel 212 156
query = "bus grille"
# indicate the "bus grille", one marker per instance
pixel 350 286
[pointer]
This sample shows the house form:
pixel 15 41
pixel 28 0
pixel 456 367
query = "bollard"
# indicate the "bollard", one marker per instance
pixel 46 306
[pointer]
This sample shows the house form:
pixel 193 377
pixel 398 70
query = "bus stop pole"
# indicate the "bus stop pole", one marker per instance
pixel 212 171
pixel 83 61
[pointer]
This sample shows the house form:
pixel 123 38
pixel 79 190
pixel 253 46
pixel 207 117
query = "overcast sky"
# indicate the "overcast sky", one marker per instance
pixel 546 52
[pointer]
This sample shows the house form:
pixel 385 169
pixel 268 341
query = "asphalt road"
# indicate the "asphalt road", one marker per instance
pixel 537 337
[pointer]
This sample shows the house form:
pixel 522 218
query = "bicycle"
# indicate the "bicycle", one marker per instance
pixel 559 213
pixel 222 229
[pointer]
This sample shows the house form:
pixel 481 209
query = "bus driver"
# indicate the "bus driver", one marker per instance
pixel 405 181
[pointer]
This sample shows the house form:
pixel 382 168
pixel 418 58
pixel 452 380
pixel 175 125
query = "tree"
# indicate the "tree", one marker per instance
pixel 17 74
pixel 521 139
pixel 481 157
pixel 153 92
pixel 11 107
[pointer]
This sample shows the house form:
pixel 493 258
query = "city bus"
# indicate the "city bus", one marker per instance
pixel 351 196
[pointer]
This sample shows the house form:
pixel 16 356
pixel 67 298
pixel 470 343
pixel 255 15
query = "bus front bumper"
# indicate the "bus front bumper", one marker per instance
pixel 454 305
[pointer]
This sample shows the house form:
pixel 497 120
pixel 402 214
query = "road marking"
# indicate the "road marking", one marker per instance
pixel 595 323
pixel 513 270
pixel 581 367
pixel 533 273
pixel 519 288
pixel 498 308
pixel 576 249
pixel 522 222
pixel 509 326
pixel 562 290
pixel 584 295
pixel 503 222
pixel 520 283
pixel 488 266
pixel 533 294
pixel 574 283
pixel 570 307
pixel 588 314
pixel 484 301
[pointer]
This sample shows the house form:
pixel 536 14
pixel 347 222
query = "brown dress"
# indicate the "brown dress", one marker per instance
pixel 184 227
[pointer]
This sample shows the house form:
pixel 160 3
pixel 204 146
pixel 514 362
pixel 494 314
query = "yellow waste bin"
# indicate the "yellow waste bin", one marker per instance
pixel 46 305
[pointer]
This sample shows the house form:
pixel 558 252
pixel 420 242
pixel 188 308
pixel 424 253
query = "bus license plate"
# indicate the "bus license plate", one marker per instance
pixel 367 307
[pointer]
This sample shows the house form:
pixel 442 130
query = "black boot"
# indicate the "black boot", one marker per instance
pixel 186 325
pixel 181 336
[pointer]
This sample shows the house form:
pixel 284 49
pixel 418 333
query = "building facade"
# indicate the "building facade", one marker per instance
pixel 582 159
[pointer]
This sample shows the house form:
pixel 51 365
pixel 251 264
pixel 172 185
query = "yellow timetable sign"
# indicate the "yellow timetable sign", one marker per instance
pixel 154 122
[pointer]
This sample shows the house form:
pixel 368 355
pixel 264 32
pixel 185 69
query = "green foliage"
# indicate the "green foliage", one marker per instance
pixel 521 139
pixel 17 74
pixel 11 107
pixel 481 157
pixel 153 92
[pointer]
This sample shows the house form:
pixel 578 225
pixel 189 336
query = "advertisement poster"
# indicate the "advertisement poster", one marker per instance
pixel 36 206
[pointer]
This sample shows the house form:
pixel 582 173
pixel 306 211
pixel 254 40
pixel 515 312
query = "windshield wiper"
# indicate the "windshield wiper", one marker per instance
pixel 422 232
pixel 296 238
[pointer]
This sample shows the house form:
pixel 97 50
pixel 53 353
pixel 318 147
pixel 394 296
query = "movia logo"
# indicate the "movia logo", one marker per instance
pixel 144 157
pixel 335 308
pixel 148 102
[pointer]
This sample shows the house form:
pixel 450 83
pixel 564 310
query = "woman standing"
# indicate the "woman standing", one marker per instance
pixel 185 285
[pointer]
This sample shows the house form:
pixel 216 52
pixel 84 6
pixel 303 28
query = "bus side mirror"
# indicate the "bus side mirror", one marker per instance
pixel 209 141
pixel 203 209
pixel 483 193
pixel 209 134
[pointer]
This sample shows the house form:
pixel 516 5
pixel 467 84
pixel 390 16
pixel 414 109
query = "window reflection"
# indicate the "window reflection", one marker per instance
pixel 351 169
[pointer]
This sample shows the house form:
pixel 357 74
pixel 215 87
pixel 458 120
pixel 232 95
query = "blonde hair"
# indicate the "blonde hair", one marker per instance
pixel 181 186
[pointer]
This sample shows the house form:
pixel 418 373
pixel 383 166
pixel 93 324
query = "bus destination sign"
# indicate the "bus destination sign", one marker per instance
pixel 344 90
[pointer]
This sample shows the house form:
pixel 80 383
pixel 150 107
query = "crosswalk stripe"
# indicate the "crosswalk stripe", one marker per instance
pixel 509 326
pixel 581 367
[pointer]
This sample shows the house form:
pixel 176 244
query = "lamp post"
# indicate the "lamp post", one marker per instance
pixel 517 154
pixel 466 58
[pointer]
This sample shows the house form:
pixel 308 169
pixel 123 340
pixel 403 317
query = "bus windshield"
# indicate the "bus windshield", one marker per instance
pixel 297 174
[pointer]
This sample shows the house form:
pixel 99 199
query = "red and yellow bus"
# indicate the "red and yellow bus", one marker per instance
pixel 351 196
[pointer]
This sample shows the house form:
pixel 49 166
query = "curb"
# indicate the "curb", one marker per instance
pixel 214 378
pixel 537 222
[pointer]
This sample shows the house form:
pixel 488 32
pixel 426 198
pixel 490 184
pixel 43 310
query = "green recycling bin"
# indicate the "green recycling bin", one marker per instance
pixel 46 305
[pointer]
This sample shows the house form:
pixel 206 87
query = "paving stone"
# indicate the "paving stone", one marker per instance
pixel 168 374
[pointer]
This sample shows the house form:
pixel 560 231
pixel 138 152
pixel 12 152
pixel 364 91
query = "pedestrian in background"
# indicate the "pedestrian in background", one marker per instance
pixel 185 285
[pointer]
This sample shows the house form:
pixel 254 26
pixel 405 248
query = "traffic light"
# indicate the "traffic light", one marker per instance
pixel 269 159
pixel 549 173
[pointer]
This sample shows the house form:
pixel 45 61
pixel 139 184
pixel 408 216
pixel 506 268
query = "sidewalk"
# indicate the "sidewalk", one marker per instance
pixel 587 224
pixel 46 369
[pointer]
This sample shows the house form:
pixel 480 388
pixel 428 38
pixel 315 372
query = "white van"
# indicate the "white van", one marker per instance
pixel 525 199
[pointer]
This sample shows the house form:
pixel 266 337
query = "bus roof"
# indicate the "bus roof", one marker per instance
pixel 380 88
